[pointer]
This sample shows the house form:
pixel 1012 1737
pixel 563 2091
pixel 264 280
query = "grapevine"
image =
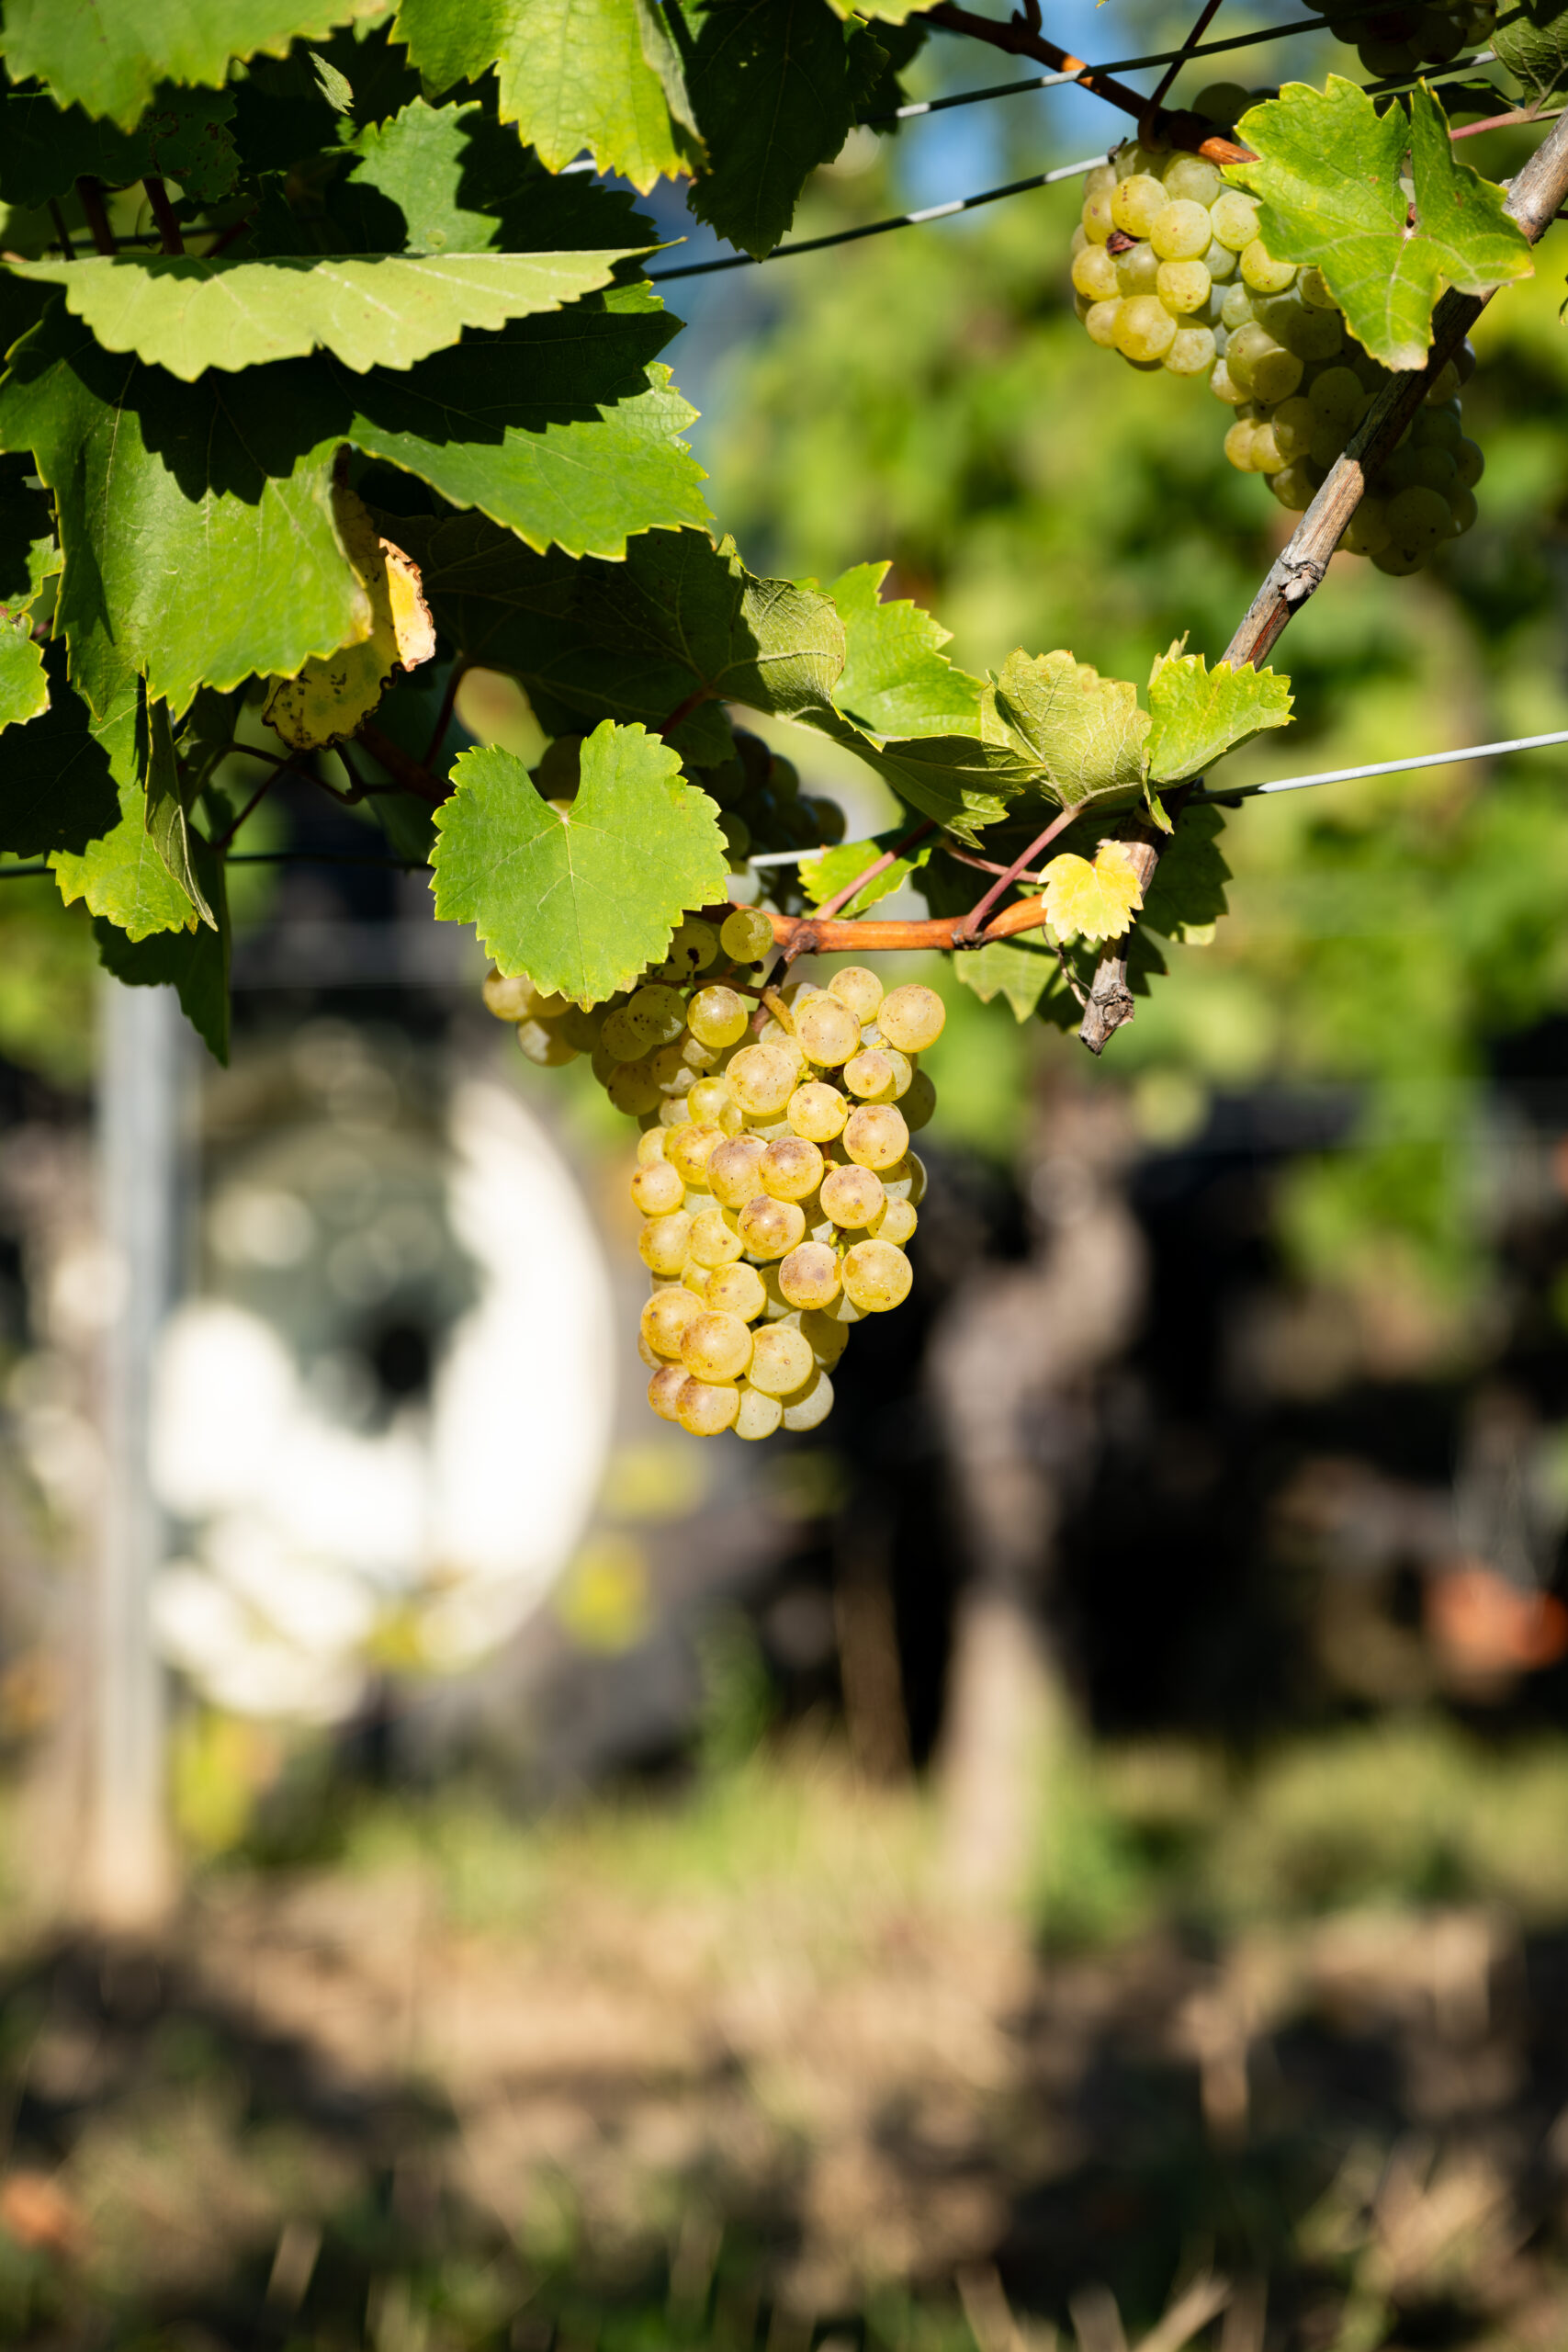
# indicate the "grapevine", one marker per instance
pixel 775 1173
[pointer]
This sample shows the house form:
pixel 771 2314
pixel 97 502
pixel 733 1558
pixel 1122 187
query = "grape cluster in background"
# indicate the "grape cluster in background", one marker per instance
pixel 1394 42
pixel 775 1173
pixel 1169 269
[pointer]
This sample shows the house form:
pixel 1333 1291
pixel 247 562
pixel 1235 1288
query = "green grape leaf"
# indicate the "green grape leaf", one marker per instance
pixel 60 773
pixel 769 82
pixel 108 56
pixel 1532 41
pixel 600 74
pixel 1012 969
pixel 896 679
pixel 557 427
pixel 196 520
pixel 122 876
pixel 1084 734
pixel 581 900
pixel 369 310
pixel 1201 714
pixel 170 797
pixel 184 136
pixel 194 962
pixel 823 878
pixel 961 782
pixel 1187 895
pixel 24 688
pixel 1327 171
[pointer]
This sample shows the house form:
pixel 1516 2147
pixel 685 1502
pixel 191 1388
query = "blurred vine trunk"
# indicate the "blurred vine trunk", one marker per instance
pixel 1017 1362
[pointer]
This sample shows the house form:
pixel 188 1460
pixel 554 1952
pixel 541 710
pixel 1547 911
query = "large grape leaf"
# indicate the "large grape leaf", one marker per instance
pixel 24 688
pixel 1012 969
pixel 600 74
pixel 896 679
pixel 183 135
pixel 194 962
pixel 1200 714
pixel 557 427
pixel 369 310
pixel 1187 895
pixel 770 80
pixel 108 56
pixel 59 774
pixel 123 878
pixel 580 898
pixel 1532 41
pixel 1328 169
pixel 196 520
pixel 1084 734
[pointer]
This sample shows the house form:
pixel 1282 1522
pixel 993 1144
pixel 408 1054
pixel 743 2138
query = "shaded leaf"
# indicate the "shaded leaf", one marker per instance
pixel 29 553
pixel 960 780
pixel 1084 734
pixel 184 136
pixel 1097 902
pixel 581 900
pixel 769 82
pixel 1328 169
pixel 600 74
pixel 60 774
pixel 1013 968
pixel 332 695
pixel 170 797
pixel 109 56
pixel 195 962
pixel 896 679
pixel 1532 42
pixel 1186 894
pixel 1200 714
pixel 24 688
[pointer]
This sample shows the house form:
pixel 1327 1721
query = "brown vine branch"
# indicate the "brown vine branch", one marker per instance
pixel 1298 570
pixel 693 701
pixel 90 195
pixel 878 865
pixel 61 233
pixel 409 774
pixel 814 934
pixel 971 923
pixel 169 235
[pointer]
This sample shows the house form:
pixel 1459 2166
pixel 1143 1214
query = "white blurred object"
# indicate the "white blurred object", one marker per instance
pixel 309 1536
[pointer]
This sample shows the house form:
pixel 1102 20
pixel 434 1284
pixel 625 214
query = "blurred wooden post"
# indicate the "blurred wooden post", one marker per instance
pixel 128 1865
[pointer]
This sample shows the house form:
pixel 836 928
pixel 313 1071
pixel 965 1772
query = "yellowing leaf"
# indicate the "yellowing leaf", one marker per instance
pixel 1097 902
pixel 331 697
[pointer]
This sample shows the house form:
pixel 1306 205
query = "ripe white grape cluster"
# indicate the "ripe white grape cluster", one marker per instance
pixel 775 1173
pixel 1169 270
pixel 1398 41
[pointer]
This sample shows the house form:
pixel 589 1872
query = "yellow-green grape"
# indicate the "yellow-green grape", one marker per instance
pixel 792 1169
pixel 538 1043
pixel 517 998
pixel 1418 520
pixel 1138 269
pixel 734 1171
pixel 1469 463
pixel 850 1196
pixel 689 1148
pixel 708 1098
pixel 826 1032
pixel 1367 532
pixel 869 1076
pixel 818 1110
pixel 1220 262
pixel 770 1229
pixel 664 1242
pixel 672 1111
pixel 1192 179
pixel 631 1090
pixel 828 1337
pixel 1137 203
pixel 745 935
pixel 1182 232
pixel 759 1415
pixel 665 1316
pixel 716 1015
pixel 1263 453
pixel 650 1147
pixel 657 1189
pixel 714 1240
pixel 876 1276
pixel 657 1010
pixel 896 1224
pixel 1183 286
pixel 1100 321
pixel 1224 386
pixel 809 1275
pixel 715 1347
pixel 761 1079
pixel 858 990
pixel 781 1361
pixel 1144 328
pixel 810 1406
pixel 669 1071
pixel 1295 485
pixel 912 1017
pixel 1296 423
pixel 697 1279
pixel 664 1389
pixel 1257 360
pixel 1260 269
pixel 876 1136
pixel 693 947
pixel 624 1038
pixel 907 1181
pixel 580 1025
pixel 1238 445
pixel 1234 219
pixel 737 1289
pixel 1094 275
pixel 1191 350
pixel 918 1102
pixel 706 1408
pixel 646 1354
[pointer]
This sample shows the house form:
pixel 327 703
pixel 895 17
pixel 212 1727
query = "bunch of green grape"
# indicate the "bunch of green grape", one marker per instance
pixel 774 1173
pixel 1394 43
pixel 1170 269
